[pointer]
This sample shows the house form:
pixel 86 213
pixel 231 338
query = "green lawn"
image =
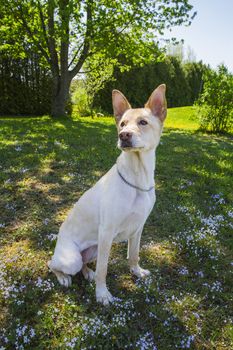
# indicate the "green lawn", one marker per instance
pixel 187 242
pixel 182 118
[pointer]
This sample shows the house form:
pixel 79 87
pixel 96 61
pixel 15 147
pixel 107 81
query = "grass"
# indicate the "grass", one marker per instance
pixel 187 242
pixel 182 118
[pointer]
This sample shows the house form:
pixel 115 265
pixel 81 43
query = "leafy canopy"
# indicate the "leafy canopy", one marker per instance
pixel 66 32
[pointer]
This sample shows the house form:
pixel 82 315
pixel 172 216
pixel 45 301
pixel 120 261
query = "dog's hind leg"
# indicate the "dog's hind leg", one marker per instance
pixel 89 255
pixel 63 278
pixel 88 273
pixel 66 262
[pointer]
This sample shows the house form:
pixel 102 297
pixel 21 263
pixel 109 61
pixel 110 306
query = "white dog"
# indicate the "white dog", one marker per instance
pixel 117 206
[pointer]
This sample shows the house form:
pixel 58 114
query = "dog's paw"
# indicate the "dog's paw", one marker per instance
pixel 64 279
pixel 139 272
pixel 88 274
pixel 103 296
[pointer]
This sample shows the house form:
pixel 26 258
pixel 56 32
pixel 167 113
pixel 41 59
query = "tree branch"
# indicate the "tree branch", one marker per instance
pixel 51 40
pixel 43 23
pixel 30 34
pixel 64 51
pixel 86 44
pixel 75 56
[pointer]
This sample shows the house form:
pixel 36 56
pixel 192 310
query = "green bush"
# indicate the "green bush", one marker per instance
pixel 25 85
pixel 183 81
pixel 215 104
pixel 80 99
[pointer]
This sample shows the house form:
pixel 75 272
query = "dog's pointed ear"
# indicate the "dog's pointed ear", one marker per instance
pixel 157 102
pixel 120 104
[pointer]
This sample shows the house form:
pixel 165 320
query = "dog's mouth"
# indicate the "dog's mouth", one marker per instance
pixel 125 144
pixel 128 146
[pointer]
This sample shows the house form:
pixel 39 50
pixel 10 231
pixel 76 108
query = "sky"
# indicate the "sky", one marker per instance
pixel 210 35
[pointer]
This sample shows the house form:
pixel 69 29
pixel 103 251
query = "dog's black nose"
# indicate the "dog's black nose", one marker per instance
pixel 125 136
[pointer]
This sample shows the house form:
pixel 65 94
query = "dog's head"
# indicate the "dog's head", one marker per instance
pixel 140 128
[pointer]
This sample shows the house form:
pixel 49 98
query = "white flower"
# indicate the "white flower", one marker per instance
pixel 186 343
pixel 44 285
pixel 183 209
pixel 52 236
pixel 23 170
pixel 186 183
pixel 10 206
pixel 46 221
pixel 200 274
pixel 146 342
pixel 57 143
pixel 8 181
pixel 183 271
pixel 218 199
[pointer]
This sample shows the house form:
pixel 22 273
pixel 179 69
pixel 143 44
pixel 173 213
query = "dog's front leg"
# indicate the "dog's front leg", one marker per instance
pixel 133 255
pixel 104 246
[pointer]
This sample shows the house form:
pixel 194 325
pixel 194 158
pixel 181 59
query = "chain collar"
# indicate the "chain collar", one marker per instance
pixel 136 187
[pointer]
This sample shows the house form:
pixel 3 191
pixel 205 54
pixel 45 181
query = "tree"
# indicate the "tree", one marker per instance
pixel 215 104
pixel 194 72
pixel 25 85
pixel 68 32
pixel 183 80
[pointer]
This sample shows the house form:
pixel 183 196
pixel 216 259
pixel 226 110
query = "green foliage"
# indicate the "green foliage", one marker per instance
pixel 25 79
pixel 216 101
pixel 99 72
pixel 80 98
pixel 194 72
pixel 25 85
pixel 66 33
pixel 183 82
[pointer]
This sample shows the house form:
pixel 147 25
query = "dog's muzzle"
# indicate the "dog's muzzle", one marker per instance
pixel 125 139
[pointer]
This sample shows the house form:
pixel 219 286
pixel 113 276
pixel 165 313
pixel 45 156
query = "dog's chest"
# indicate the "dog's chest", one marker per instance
pixel 134 218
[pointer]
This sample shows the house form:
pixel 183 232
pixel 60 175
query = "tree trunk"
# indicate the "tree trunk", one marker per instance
pixel 60 95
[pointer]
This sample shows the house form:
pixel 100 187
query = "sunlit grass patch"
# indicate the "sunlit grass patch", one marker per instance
pixel 182 118
pixel 159 253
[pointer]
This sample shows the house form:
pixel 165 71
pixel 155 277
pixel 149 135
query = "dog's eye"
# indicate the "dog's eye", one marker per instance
pixel 143 122
pixel 122 124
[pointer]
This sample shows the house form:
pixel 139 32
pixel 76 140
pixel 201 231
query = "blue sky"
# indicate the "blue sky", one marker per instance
pixel 211 33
